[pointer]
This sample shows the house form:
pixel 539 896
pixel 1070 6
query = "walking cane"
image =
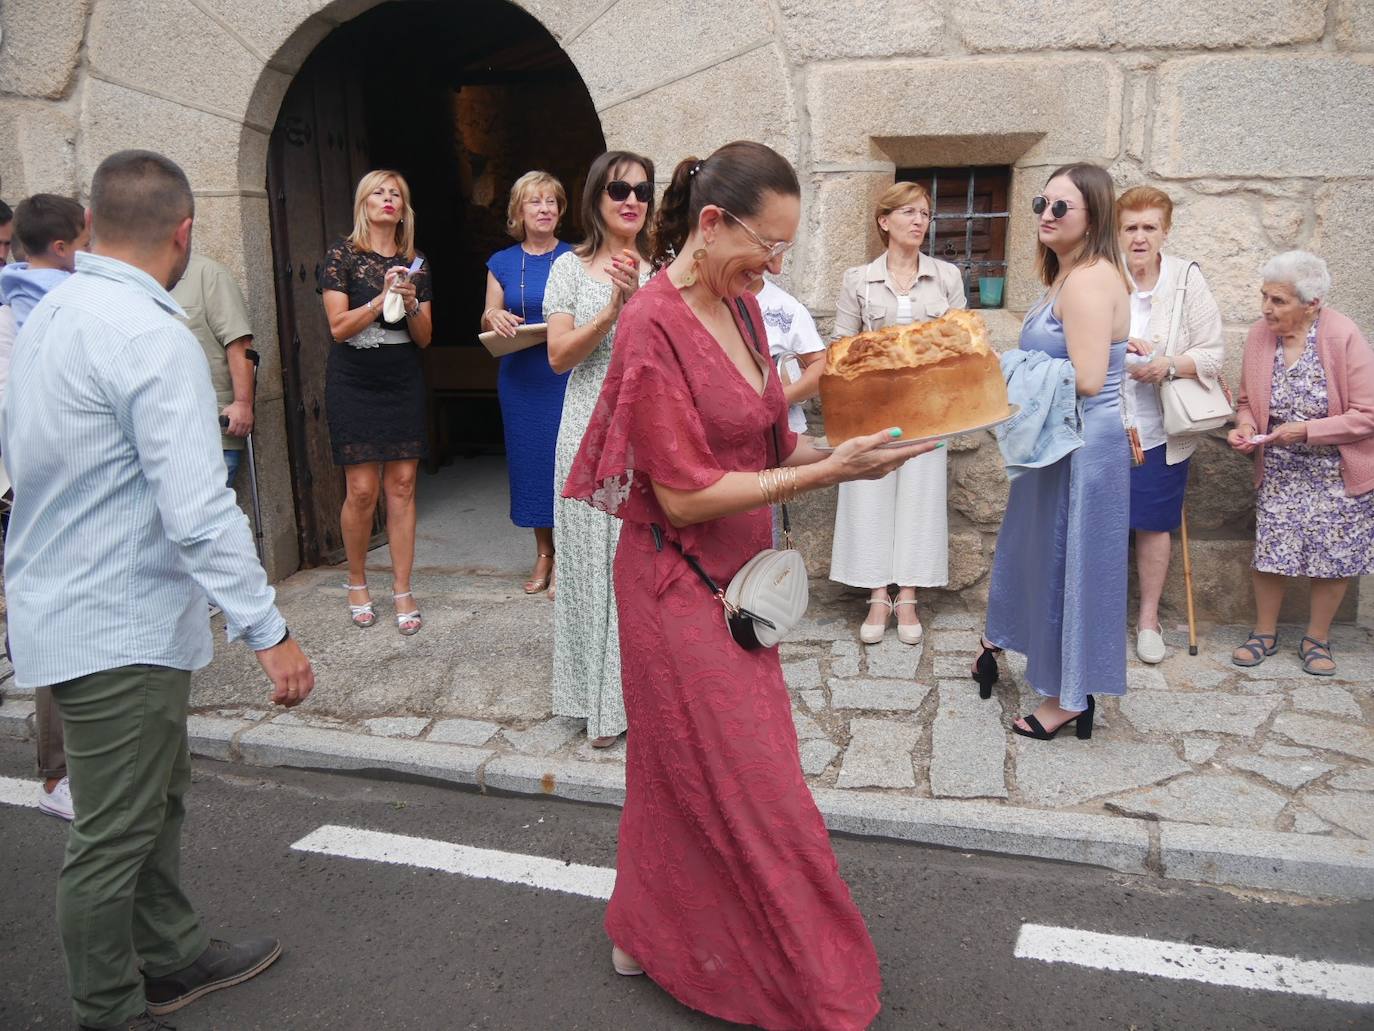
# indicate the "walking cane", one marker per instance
pixel 254 357
pixel 1188 581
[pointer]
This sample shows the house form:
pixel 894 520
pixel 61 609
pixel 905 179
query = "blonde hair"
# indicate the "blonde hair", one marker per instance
pixel 1142 198
pixel 361 237
pixel 527 184
pixel 898 195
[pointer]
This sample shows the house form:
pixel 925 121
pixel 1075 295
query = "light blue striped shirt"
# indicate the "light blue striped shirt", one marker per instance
pixel 122 524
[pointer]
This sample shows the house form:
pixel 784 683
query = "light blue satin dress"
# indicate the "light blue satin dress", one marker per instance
pixel 1058 593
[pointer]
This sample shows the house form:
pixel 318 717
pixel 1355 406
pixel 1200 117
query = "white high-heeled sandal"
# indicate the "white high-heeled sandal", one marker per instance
pixel 413 616
pixel 908 634
pixel 872 633
pixel 362 615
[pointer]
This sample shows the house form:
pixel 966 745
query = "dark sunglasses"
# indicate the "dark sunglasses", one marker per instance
pixel 619 190
pixel 1058 209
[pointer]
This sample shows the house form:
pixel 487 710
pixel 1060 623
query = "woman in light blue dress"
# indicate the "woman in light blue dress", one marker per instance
pixel 1058 591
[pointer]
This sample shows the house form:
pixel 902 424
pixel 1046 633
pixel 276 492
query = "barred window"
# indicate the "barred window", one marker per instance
pixel 968 226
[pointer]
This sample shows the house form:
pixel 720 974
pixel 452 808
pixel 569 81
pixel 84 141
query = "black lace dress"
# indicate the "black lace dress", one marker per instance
pixel 374 392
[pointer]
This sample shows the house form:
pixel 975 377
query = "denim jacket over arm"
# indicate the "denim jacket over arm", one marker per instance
pixel 1050 422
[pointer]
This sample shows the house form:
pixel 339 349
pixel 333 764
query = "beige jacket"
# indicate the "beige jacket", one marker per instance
pixel 1199 334
pixel 868 298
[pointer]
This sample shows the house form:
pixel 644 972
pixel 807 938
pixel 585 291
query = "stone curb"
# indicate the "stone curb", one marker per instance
pixel 1117 844
pixel 1297 863
pixel 1300 863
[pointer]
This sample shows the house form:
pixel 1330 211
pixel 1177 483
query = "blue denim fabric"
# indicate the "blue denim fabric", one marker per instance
pixel 231 466
pixel 1050 423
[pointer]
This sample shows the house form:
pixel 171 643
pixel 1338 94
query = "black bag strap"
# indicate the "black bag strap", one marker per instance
pixel 777 446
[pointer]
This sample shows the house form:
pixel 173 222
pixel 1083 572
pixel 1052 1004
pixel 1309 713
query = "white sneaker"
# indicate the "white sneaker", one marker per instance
pixel 58 801
pixel 1149 645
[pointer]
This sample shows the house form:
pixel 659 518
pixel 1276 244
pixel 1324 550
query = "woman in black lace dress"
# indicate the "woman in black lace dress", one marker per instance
pixel 374 388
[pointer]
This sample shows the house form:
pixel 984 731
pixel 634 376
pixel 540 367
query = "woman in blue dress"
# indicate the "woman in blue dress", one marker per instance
pixel 1058 591
pixel 531 392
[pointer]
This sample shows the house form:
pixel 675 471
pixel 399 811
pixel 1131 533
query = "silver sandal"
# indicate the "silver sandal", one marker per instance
pixel 404 619
pixel 362 615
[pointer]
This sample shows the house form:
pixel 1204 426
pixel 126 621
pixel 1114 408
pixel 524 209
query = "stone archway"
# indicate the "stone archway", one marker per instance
pixel 208 95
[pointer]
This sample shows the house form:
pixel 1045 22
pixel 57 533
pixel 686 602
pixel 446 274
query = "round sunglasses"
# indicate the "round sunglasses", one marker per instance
pixel 620 190
pixel 1058 209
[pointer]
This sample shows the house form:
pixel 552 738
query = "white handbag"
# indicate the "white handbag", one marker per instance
pixel 1190 405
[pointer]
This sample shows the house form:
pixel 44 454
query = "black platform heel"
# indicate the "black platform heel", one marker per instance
pixel 985 668
pixel 1082 725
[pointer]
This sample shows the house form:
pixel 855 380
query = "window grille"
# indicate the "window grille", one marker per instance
pixel 968 225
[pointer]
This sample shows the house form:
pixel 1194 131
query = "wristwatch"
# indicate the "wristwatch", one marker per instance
pixel 1173 369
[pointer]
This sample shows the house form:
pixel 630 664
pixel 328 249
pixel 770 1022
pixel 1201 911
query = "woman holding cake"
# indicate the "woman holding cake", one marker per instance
pixel 1144 216
pixel 1058 593
pixel 895 530
pixel 727 893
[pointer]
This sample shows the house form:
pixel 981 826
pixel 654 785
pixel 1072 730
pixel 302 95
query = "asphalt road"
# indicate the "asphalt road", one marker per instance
pixel 379 946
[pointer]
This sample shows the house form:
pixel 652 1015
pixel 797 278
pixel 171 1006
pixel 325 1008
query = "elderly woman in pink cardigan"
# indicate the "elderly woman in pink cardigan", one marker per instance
pixel 1306 412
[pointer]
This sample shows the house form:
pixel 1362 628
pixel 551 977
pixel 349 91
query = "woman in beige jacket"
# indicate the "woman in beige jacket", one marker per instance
pixel 895 530
pixel 1144 216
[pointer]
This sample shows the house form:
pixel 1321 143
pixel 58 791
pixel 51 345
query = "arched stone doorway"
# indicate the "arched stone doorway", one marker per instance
pixel 483 95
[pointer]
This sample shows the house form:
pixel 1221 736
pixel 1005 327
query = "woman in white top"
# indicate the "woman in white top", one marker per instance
pixel 895 530
pixel 1144 216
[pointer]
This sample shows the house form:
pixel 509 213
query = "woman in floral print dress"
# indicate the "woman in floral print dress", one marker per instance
pixel 1306 410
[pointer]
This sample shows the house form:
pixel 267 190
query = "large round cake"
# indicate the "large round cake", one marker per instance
pixel 934 378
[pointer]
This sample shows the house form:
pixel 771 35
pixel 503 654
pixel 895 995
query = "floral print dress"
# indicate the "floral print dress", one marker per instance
pixel 586 642
pixel 1306 524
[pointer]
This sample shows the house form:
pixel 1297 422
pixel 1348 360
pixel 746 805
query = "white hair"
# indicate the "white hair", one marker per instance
pixel 1306 273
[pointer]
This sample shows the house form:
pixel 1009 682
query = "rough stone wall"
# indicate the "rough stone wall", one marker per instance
pixel 1256 115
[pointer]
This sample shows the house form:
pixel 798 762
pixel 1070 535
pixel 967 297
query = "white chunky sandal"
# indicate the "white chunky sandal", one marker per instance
pixel 908 634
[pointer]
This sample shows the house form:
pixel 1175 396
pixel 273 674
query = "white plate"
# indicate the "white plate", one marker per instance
pixel 1011 413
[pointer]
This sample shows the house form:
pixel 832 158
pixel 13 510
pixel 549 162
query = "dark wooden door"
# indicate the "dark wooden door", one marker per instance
pixel 318 153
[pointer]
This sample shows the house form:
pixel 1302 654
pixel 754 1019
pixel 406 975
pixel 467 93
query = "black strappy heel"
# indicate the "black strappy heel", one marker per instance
pixel 985 668
pixel 1082 725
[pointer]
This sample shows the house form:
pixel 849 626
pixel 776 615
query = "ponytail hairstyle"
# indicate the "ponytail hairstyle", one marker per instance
pixel 735 177
pixel 1099 195
pixel 608 167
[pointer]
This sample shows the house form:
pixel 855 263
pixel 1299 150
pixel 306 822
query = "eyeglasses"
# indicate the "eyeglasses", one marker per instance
pixel 775 249
pixel 918 214
pixel 1058 209
pixel 620 190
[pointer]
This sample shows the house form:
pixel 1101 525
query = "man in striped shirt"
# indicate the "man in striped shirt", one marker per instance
pixel 122 526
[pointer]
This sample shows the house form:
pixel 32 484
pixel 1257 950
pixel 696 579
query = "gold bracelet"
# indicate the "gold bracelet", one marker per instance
pixel 763 488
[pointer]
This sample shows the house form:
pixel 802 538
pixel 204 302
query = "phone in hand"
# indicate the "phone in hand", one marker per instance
pixel 405 275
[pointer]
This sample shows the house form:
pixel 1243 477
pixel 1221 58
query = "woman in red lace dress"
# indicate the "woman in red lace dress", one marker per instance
pixel 727 892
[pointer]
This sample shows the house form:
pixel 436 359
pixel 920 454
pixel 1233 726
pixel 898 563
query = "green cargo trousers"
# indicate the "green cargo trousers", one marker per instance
pixel 119 897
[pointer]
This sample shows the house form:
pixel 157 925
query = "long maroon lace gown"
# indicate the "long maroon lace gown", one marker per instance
pixel 726 888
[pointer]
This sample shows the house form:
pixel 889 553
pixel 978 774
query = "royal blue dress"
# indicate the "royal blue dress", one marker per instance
pixel 1058 593
pixel 531 392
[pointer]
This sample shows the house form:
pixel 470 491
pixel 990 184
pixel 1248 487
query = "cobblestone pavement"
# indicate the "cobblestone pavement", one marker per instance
pixel 1195 740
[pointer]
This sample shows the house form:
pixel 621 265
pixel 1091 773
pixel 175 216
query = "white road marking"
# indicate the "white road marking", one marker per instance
pixel 1343 982
pixel 14 791
pixel 594 882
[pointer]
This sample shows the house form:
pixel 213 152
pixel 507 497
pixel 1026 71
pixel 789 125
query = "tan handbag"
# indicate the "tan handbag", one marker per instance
pixel 1190 405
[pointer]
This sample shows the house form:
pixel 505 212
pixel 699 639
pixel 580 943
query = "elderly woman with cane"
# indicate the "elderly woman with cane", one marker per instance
pixel 1165 345
pixel 1306 412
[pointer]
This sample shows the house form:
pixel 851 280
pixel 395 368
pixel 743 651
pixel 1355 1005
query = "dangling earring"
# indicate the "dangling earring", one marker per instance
pixel 698 256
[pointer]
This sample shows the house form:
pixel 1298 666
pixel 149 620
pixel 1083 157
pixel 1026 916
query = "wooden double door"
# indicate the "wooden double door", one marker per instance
pixel 318 152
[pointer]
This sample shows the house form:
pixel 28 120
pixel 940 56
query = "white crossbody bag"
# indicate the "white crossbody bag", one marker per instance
pixel 1190 405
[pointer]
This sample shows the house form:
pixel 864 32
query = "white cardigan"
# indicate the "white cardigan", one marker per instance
pixel 1199 334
